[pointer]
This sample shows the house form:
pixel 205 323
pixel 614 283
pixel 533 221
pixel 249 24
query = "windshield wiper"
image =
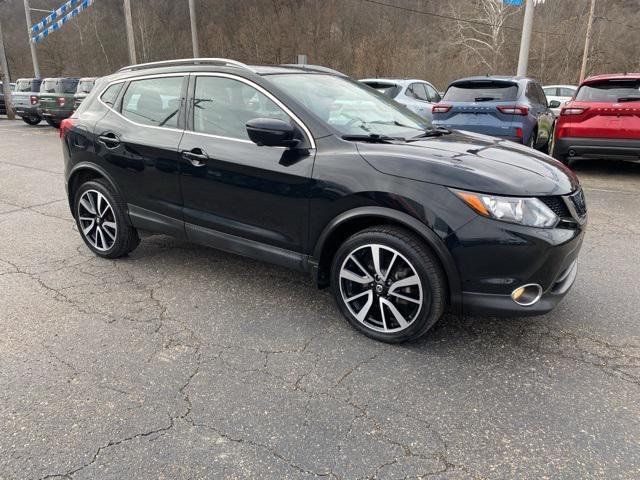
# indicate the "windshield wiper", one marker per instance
pixel 431 132
pixel 372 138
pixel 629 99
pixel 484 99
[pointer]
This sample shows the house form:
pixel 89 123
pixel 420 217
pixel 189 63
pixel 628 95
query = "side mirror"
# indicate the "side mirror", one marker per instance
pixel 271 132
pixel 554 104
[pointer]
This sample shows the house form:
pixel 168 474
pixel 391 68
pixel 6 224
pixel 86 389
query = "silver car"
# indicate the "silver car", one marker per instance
pixel 417 95
pixel 561 93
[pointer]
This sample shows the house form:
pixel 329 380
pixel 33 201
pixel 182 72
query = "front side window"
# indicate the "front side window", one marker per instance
pixel 610 91
pixel 566 92
pixel 153 101
pixel 223 106
pixel 349 107
pixel 551 91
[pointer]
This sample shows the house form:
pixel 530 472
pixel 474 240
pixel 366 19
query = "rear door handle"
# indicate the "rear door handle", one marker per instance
pixel 110 140
pixel 196 156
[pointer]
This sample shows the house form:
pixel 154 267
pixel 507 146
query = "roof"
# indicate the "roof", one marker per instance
pixel 508 78
pixel 612 76
pixel 395 81
pixel 560 86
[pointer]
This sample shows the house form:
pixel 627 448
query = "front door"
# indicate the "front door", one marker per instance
pixel 241 196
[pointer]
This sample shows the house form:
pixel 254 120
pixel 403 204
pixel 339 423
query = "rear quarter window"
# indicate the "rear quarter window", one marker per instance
pixel 611 91
pixel 110 95
pixel 389 89
pixel 481 92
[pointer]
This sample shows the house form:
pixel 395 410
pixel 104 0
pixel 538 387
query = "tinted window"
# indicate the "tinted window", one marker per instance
pixel 416 90
pixel 153 101
pixel 551 91
pixel 486 91
pixel 388 89
pixel 110 95
pixel 609 91
pixel 223 106
pixel 566 92
pixel 67 86
pixel 541 97
pixel 432 94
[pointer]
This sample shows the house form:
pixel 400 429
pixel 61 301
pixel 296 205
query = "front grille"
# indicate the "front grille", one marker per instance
pixel 557 205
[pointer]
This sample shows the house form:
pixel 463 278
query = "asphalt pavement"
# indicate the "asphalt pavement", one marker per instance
pixel 182 362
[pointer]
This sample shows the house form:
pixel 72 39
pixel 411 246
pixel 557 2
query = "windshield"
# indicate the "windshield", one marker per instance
pixel 610 91
pixel 85 86
pixel 485 91
pixel 349 107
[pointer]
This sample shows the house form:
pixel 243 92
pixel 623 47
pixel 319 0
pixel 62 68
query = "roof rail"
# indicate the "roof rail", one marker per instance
pixel 186 61
pixel 314 68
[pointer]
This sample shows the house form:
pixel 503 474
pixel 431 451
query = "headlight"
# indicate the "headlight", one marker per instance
pixel 524 211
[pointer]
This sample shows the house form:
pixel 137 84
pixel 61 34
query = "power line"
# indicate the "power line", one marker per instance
pixel 451 17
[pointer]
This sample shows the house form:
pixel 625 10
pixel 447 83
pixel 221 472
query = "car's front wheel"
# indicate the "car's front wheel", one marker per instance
pixel 101 219
pixel 388 284
pixel 31 120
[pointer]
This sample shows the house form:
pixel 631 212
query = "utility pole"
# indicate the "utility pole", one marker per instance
pixel 32 45
pixel 194 29
pixel 587 41
pixel 130 37
pixel 525 41
pixel 6 80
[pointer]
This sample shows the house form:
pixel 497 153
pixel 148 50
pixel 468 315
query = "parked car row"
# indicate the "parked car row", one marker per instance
pixel 51 99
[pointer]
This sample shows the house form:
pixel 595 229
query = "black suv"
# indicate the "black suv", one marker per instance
pixel 307 168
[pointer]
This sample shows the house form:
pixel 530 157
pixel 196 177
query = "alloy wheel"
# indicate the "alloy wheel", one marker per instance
pixel 97 220
pixel 381 288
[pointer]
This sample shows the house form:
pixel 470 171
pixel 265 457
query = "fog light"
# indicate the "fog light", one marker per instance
pixel 527 295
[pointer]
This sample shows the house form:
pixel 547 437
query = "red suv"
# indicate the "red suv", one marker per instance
pixel 601 121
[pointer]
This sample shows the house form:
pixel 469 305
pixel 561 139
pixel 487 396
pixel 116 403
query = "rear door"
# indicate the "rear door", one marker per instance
pixel 607 109
pixel 137 143
pixel 474 106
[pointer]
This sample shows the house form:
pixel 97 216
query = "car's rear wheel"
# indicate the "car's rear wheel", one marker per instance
pixel 101 219
pixel 388 284
pixel 31 120
pixel 53 122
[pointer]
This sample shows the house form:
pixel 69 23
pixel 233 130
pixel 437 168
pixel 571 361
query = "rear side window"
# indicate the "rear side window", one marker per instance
pixel 110 95
pixel 417 91
pixel 153 101
pixel 486 91
pixel 223 107
pixel 612 91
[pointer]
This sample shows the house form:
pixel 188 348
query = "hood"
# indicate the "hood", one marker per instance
pixel 473 162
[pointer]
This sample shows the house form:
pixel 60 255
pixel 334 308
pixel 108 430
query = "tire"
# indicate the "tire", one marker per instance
pixel 402 257
pixel 52 122
pixel 104 229
pixel 31 120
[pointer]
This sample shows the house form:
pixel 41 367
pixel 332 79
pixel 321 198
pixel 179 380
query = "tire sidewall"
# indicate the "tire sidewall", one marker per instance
pixel 429 314
pixel 118 213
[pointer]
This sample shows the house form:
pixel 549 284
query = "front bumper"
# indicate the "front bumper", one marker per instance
pixel 494 258
pixel 597 148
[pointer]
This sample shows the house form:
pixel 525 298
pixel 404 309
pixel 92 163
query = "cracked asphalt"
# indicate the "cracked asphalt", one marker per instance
pixel 182 362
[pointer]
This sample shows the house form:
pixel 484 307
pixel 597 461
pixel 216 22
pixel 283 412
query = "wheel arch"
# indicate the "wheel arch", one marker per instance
pixel 352 221
pixel 84 172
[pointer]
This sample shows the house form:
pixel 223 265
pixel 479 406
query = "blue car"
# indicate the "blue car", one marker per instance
pixel 513 108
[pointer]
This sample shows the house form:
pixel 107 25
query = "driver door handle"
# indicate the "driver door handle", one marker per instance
pixel 196 156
